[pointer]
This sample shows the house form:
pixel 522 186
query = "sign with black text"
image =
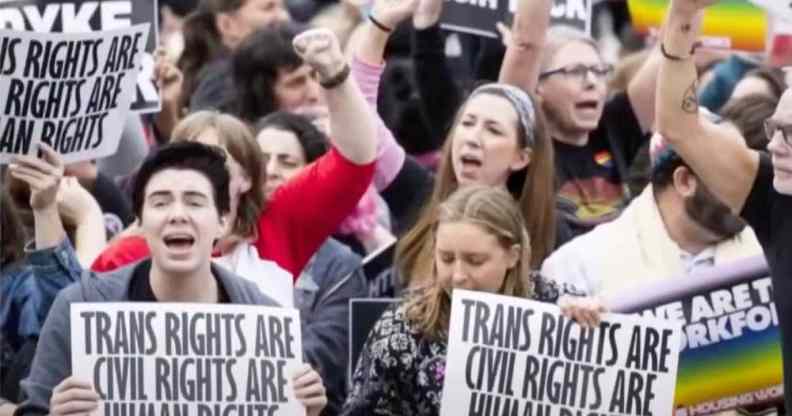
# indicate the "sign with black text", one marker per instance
pixel 479 17
pixel 79 16
pixel 71 91
pixel 188 359
pixel 515 356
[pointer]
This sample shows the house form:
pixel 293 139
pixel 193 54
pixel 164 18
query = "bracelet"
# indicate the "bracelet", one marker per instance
pixel 336 79
pixel 678 58
pixel 379 24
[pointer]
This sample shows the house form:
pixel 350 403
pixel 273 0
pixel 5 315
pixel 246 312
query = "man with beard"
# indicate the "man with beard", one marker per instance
pixel 674 227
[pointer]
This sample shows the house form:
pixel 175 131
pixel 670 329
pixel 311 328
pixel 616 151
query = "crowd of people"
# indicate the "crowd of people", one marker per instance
pixel 297 139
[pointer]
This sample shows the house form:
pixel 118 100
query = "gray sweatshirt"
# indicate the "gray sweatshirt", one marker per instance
pixel 52 363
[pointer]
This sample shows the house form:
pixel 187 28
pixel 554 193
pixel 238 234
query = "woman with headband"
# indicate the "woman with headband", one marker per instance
pixel 497 138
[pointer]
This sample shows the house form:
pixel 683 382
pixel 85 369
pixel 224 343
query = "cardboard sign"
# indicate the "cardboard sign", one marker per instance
pixel 479 17
pixel 71 91
pixel 79 16
pixel 188 359
pixel 728 24
pixel 731 346
pixel 511 356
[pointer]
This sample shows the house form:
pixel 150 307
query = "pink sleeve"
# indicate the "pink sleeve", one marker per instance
pixel 390 155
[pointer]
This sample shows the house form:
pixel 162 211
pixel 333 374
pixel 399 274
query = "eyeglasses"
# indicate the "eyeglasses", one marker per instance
pixel 580 71
pixel 772 127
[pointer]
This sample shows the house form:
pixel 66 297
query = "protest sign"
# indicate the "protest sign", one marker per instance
pixel 363 315
pixel 71 91
pixel 512 356
pixel 188 359
pixel 731 348
pixel 728 24
pixel 79 16
pixel 479 17
pixel 780 9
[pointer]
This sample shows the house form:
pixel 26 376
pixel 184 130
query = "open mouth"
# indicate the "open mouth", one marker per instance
pixel 469 161
pixel 179 241
pixel 587 105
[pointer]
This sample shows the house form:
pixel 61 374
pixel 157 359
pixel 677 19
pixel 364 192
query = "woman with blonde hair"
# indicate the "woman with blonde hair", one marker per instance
pixel 480 243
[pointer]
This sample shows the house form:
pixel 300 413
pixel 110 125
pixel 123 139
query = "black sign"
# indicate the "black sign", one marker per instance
pixel 77 16
pixel 363 315
pixel 479 17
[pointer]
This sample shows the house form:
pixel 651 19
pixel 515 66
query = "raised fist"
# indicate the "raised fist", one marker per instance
pixel 691 6
pixel 392 12
pixel 319 48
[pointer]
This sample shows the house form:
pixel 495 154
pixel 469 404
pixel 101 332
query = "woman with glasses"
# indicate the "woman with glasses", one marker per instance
pixel 596 138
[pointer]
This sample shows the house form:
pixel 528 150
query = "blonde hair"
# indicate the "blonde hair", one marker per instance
pixel 532 187
pixel 237 138
pixel 559 36
pixel 495 211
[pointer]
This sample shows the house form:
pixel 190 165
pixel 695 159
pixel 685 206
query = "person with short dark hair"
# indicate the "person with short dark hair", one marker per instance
pixel 675 227
pixel 748 114
pixel 181 198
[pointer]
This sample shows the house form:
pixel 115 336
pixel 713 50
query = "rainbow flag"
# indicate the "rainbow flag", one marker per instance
pixel 739 22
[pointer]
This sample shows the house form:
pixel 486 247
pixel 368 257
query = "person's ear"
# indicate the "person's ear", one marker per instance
pixel 246 185
pixel 522 159
pixel 225 227
pixel 684 181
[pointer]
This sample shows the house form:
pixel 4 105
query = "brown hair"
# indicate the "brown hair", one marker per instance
pixel 238 140
pixel 748 115
pixel 532 187
pixel 12 248
pixel 202 42
pixel 495 211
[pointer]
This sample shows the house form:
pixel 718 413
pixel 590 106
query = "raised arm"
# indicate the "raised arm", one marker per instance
pixel 717 154
pixel 523 55
pixel 77 206
pixel 351 122
pixel 43 176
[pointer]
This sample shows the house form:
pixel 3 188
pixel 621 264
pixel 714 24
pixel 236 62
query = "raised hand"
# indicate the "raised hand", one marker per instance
pixel 392 12
pixel 691 6
pixel 75 202
pixel 169 79
pixel 43 175
pixel 320 49
pixel 427 13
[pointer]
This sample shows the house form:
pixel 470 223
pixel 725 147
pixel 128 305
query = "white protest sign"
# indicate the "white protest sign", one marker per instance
pixel 510 356
pixel 72 91
pixel 78 16
pixel 188 359
pixel 778 8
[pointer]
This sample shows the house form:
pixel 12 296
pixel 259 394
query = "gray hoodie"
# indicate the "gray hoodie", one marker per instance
pixel 52 363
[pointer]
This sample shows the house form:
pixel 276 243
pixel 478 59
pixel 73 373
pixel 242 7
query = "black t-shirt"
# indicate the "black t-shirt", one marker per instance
pixel 591 177
pixel 770 215
pixel 140 287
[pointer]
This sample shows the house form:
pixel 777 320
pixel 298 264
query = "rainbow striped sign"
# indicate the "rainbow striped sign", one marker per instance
pixel 737 23
pixel 731 352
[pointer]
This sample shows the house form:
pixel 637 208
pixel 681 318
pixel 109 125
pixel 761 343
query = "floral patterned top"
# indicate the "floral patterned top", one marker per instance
pixel 400 372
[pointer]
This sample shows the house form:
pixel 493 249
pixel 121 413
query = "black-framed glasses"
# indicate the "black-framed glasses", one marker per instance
pixel 772 127
pixel 580 71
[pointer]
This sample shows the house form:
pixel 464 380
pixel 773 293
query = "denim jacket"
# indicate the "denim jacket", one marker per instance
pixel 27 290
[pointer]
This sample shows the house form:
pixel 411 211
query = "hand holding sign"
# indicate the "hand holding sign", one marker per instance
pixel 73 396
pixel 310 390
pixel 319 48
pixel 584 310
pixel 392 12
pixel 42 175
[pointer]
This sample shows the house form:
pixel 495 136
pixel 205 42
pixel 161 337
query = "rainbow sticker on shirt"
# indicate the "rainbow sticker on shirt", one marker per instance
pixel 733 24
pixel 604 159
